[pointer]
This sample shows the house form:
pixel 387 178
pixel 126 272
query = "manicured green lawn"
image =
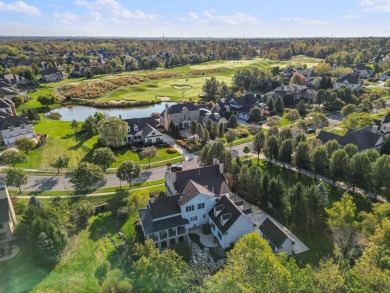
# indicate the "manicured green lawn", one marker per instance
pixel 83 255
pixel 61 140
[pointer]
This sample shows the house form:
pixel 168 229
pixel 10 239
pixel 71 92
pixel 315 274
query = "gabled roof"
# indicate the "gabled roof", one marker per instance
pixel 191 190
pixel 352 78
pixel 362 66
pixel 208 177
pixel 325 136
pixel 7 121
pixel 4 213
pixel 248 99
pixel 141 123
pixel 229 213
pixel 386 119
pixel 151 226
pixel 164 206
pixel 147 129
pixel 273 233
pixel 50 70
pixel 178 108
pixel 363 138
pixel 5 103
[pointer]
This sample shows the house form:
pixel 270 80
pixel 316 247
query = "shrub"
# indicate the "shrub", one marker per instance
pixel 184 251
pixel 123 212
pixel 181 143
pixel 171 151
pixel 54 116
pixel 241 132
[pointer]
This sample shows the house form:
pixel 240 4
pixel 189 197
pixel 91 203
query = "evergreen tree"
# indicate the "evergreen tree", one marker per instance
pixel 278 105
pixel 285 151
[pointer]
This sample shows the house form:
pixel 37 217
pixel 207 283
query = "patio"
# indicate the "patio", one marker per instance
pixel 206 240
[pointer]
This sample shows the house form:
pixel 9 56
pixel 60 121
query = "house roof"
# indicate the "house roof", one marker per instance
pixel 229 213
pixel 147 129
pixel 386 119
pixel 49 70
pixel 273 233
pixel 325 136
pixel 247 99
pixel 208 177
pixel 178 108
pixel 191 190
pixel 362 138
pixel 362 66
pixel 4 104
pixel 141 123
pixel 351 78
pixel 151 226
pixel 7 121
pixel 4 213
pixel 164 206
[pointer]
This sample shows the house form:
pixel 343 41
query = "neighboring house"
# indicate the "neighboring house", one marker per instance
pixel 351 80
pixel 8 91
pixel 51 74
pixel 385 124
pixel 240 106
pixel 13 79
pixel 364 139
pixel 363 70
pixel 13 128
pixel 206 115
pixel 276 237
pixel 181 115
pixel 7 106
pixel 142 130
pixel 228 222
pixel 387 104
pixel 79 71
pixel 7 216
pixel 298 92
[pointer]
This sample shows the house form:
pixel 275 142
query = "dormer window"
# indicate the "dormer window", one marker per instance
pixel 218 210
pixel 22 126
pixel 225 218
pixel 128 129
pixel 135 127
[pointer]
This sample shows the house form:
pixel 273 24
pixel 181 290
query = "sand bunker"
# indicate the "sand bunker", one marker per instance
pixel 164 99
pixel 180 87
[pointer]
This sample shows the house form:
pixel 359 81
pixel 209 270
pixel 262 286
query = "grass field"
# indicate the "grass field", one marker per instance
pixel 83 255
pixel 61 140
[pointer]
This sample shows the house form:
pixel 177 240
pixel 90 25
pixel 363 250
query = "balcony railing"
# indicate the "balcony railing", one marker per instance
pixel 172 233
pixel 163 235
pixel 181 230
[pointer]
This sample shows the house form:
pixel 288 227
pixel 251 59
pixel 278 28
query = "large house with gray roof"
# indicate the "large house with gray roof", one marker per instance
pixel 297 92
pixel 13 127
pixel 142 130
pixel 364 139
pixel 181 115
pixel 240 106
pixel 351 80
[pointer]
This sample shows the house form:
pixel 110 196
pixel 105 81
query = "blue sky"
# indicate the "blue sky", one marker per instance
pixel 196 18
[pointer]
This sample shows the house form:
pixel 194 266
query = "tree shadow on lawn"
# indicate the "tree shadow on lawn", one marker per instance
pixel 23 272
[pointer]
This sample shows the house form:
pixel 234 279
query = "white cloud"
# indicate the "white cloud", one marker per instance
pixel 376 5
pixel 349 16
pixel 305 21
pixel 20 7
pixel 193 15
pixel 114 8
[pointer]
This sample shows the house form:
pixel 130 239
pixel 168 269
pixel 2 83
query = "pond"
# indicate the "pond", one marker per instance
pixel 80 113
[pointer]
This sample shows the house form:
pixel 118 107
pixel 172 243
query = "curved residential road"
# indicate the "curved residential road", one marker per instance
pixel 61 183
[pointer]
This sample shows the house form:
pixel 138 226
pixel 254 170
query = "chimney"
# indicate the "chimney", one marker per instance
pixel 375 129
pixel 152 198
pixel 166 120
pixel 215 161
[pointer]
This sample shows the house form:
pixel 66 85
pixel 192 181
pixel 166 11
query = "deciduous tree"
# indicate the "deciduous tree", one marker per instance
pixel 60 162
pixel 103 157
pixel 86 176
pixel 113 132
pixel 148 152
pixel 16 177
pixel 128 171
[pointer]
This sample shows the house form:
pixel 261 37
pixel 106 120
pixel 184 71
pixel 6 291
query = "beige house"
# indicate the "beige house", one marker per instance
pixel 7 216
pixel 181 115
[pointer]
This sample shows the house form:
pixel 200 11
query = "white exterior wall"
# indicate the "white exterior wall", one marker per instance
pixel 9 137
pixel 241 227
pixel 153 138
pixel 385 129
pixel 286 247
pixel 201 214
